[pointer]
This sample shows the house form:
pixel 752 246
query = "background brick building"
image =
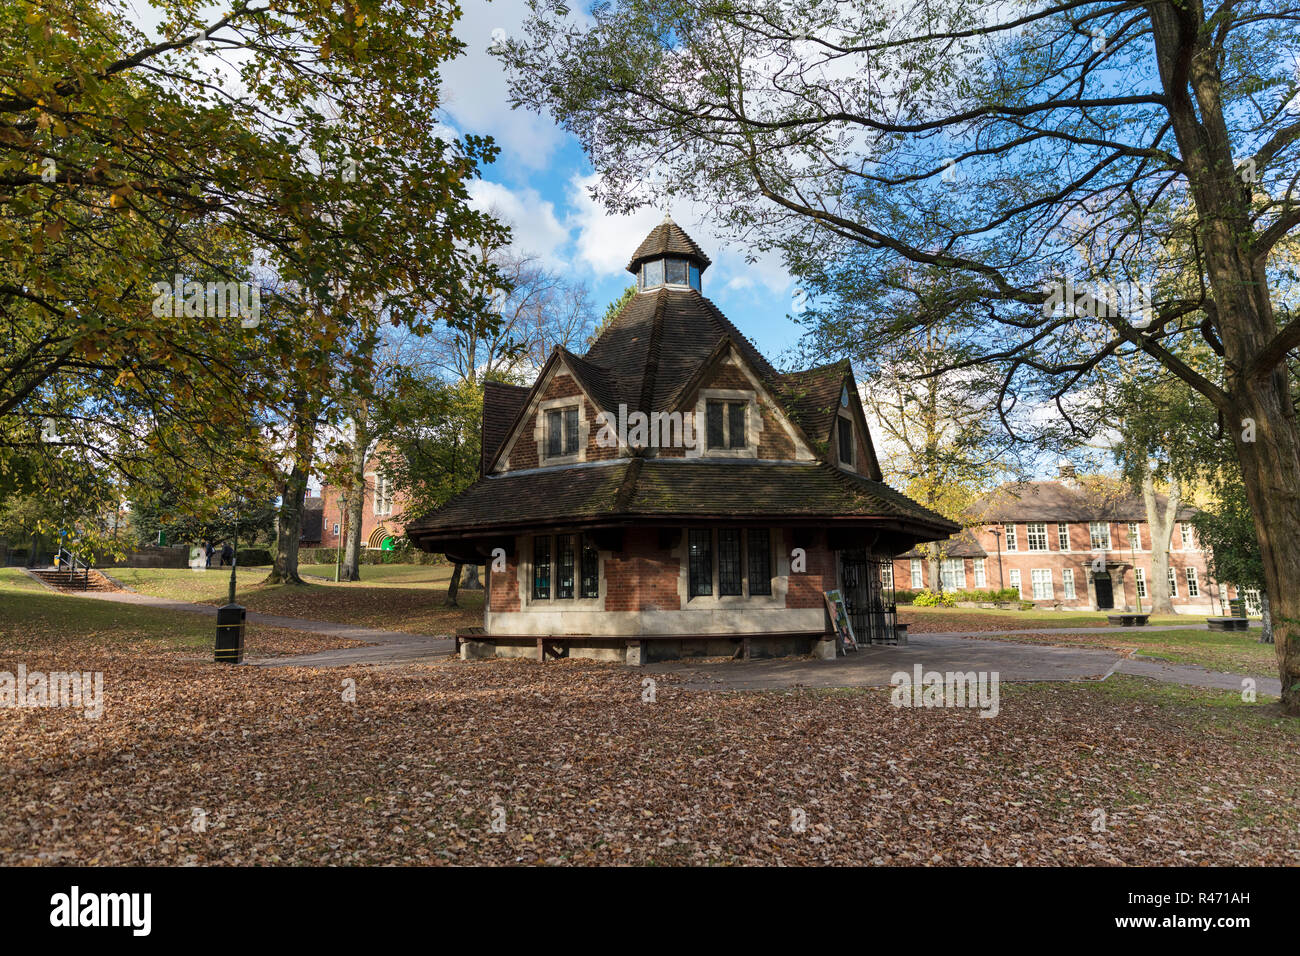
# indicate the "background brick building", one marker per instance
pixel 1063 545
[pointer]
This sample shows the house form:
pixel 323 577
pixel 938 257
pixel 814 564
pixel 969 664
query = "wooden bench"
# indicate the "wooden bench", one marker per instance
pixel 1227 623
pixel 1128 620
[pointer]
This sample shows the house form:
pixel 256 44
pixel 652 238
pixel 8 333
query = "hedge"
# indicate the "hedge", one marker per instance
pixel 371 556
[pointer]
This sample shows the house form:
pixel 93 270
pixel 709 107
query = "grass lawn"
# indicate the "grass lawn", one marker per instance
pixel 284 770
pixel 396 597
pixel 1238 652
pixel 936 619
pixel 65 626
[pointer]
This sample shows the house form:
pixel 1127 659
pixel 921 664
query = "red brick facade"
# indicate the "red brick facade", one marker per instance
pixel 1080 560
pixel 374 527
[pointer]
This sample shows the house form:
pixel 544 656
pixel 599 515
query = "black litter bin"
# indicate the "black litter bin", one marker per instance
pixel 230 634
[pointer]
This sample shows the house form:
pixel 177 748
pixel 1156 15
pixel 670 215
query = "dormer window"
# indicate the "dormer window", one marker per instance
pixel 726 424
pixel 562 432
pixel 845 430
pixel 669 272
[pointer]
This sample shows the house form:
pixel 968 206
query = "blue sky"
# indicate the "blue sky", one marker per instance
pixel 539 183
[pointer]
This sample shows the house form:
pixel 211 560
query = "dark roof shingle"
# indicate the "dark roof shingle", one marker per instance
pixel 668 239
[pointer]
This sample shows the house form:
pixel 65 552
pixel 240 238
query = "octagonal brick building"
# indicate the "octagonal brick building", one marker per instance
pixel 670 493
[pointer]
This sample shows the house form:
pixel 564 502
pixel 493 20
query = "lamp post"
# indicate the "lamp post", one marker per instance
pixel 230 618
pixel 997 541
pixel 1137 595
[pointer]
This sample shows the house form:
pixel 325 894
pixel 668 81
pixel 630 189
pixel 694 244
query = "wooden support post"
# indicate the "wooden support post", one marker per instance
pixel 541 651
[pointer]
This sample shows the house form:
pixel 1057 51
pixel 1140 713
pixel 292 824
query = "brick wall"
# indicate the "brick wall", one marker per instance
pixel 643 577
pixel 805 590
pixel 503 586
pixel 1078 558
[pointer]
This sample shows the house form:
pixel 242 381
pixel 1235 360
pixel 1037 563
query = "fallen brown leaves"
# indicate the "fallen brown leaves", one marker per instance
pixel 199 764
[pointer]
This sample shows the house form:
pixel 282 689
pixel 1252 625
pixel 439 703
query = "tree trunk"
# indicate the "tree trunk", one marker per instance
pixel 351 570
pixel 1162 535
pixel 935 582
pixel 288 526
pixel 1266 625
pixel 453 586
pixel 471 582
pixel 1268 444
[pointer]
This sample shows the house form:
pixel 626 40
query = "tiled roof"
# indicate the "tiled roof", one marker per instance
pixel 813 395
pixel 960 545
pixel 501 404
pixel 1087 500
pixel 668 239
pixel 671 488
pixel 657 342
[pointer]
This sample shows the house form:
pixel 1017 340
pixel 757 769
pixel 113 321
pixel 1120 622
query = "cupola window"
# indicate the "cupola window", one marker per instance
pixel 670 272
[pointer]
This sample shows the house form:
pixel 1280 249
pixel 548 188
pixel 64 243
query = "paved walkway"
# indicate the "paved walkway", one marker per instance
pixel 872 666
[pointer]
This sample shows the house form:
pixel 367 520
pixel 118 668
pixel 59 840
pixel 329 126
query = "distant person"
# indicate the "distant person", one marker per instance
pixel 208 551
pixel 227 554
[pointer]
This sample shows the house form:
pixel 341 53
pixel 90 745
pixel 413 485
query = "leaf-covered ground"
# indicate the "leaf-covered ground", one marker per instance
pixel 199 763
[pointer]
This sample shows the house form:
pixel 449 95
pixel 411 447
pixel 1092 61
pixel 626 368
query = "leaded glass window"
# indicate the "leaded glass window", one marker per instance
pixel 564 566
pixel 760 557
pixel 542 568
pixel 701 562
pixel 729 573
pixel 590 568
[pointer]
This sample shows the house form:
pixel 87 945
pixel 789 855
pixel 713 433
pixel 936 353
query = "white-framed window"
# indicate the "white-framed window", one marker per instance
pixel 383 504
pixel 1173 584
pixel 1013 576
pixel 1067 583
pixel 336 529
pixel 1193 585
pixel 1063 536
pixel 1186 536
pixel 1135 536
pixel 952 571
pixel 1140 575
pixel 1036 534
pixel 981 581
pixel 1099 534
pixel 887 575
pixel 1254 605
pixel 917 582
pixel 1041 581
pixel 1012 543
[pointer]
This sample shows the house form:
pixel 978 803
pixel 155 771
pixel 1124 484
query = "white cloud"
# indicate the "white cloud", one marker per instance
pixel 535 229
pixel 605 242
pixel 474 87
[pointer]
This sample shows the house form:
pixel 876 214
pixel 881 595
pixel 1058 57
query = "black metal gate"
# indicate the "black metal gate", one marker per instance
pixel 868 599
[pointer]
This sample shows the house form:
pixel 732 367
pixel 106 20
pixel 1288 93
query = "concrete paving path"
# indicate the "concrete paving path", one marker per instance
pixel 872 666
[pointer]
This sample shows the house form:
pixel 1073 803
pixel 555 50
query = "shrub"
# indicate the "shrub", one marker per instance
pixel 904 597
pixel 928 598
pixel 988 597
pixel 251 556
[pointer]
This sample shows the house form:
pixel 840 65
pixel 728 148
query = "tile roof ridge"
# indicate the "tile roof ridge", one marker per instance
pixel 650 373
